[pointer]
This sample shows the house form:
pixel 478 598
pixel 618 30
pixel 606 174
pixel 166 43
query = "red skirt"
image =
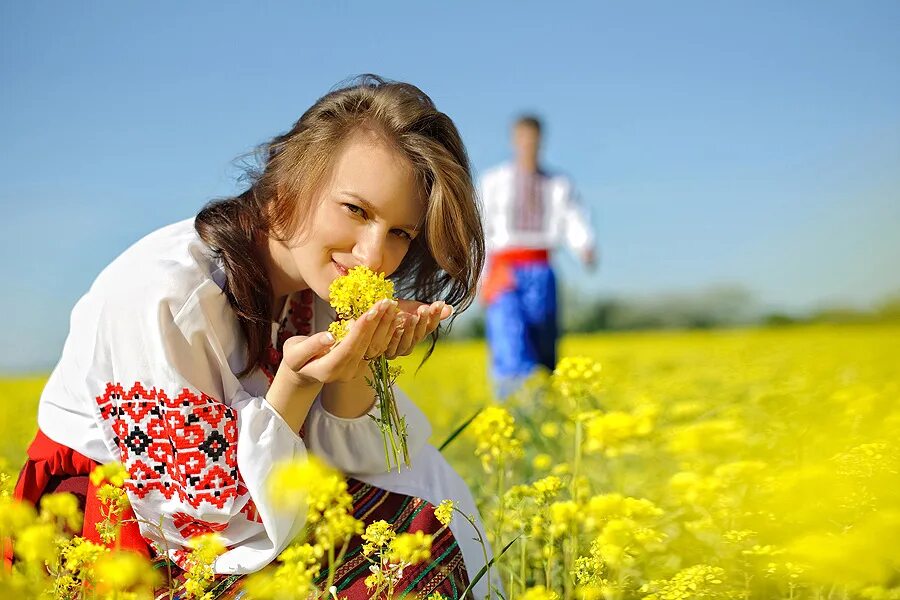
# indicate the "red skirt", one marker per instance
pixel 52 467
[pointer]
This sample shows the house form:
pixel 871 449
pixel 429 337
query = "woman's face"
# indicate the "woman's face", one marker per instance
pixel 367 213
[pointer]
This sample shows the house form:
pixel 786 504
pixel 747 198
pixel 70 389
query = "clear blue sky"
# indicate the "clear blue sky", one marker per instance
pixel 715 142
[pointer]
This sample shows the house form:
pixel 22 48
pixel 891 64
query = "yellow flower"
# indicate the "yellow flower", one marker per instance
pixel 377 578
pixel 112 472
pixel 339 329
pixel 694 582
pixel 357 291
pixel 124 571
pixel 588 571
pixel 494 430
pixel 542 462
pixel 200 574
pixel 80 554
pixel 577 377
pixel 15 515
pixel 206 547
pixel 550 429
pixel 36 543
pixel 547 488
pixel 268 585
pixel 564 517
pixel 305 481
pixel 337 525
pixel 444 512
pixel 609 432
pixel 539 592
pixel 5 483
pixel 378 535
pixel 298 567
pixel 394 371
pixel 61 507
pixel 410 548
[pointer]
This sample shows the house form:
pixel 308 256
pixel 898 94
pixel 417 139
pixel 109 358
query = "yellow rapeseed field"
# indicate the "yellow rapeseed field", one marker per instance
pixel 718 464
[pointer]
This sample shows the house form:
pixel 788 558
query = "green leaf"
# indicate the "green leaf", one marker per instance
pixel 460 429
pixel 484 569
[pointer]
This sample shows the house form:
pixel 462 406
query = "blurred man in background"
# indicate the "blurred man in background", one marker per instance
pixel 528 212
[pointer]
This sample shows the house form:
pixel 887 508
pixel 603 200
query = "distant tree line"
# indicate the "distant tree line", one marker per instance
pixel 720 306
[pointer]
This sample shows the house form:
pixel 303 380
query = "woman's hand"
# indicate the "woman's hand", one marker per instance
pixel 419 320
pixel 308 363
pixel 316 360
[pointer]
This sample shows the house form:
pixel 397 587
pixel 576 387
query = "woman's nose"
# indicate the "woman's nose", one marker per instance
pixel 370 251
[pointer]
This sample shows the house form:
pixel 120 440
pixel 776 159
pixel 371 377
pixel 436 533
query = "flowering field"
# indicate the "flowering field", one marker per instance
pixel 727 464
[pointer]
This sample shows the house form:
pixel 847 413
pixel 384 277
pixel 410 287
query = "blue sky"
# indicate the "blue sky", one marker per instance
pixel 753 143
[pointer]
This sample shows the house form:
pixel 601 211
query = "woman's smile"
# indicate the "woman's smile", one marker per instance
pixel 341 269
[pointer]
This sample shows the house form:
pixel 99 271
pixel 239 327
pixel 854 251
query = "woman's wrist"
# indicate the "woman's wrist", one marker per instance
pixel 348 399
pixel 292 395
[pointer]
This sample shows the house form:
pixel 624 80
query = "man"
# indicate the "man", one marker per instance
pixel 527 212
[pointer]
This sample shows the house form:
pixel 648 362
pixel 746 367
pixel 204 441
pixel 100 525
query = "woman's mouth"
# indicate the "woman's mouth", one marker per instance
pixel 341 269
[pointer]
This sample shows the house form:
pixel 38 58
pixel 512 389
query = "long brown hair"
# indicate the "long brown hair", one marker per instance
pixel 442 263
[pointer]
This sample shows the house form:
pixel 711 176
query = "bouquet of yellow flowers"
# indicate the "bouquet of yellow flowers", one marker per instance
pixel 351 296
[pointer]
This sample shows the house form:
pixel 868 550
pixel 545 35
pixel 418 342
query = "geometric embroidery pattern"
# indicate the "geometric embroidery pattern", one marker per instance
pixel 297 321
pixel 182 445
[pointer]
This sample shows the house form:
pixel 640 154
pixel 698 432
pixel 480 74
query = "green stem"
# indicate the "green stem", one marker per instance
pixel 331 569
pixel 390 420
pixel 487 562
pixel 522 551
pixel 548 566
pixel 576 464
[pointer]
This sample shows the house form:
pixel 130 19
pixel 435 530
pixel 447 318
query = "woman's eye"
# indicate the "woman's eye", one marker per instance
pixel 356 210
pixel 403 234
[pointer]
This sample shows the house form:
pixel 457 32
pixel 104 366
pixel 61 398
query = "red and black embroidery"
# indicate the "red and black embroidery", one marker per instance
pixel 183 445
pixel 189 527
pixel 297 321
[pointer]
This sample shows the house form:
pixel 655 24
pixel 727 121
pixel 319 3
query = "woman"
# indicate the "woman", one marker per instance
pixel 201 352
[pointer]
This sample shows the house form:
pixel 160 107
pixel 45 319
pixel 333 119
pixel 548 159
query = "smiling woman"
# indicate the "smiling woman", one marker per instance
pixel 200 357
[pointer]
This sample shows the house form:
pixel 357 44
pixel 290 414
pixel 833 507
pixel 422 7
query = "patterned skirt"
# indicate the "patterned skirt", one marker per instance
pixel 445 573
pixel 52 467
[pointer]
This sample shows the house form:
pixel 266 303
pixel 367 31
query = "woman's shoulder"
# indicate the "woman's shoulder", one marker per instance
pixel 171 266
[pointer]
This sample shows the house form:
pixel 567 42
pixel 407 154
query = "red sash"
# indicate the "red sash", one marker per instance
pixel 499 277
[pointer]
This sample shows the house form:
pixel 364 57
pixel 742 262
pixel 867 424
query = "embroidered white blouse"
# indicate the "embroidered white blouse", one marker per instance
pixel 146 377
pixel 540 211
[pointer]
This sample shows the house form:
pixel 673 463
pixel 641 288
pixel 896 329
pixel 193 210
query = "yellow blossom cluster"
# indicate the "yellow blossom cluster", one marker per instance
pixel 444 512
pixel 613 432
pixel 378 535
pixel 410 548
pixel 696 582
pixel 358 291
pixel 577 377
pixel 494 432
pixel 129 575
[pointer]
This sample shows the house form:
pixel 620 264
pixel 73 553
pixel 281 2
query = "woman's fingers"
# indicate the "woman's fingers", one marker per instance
pixel 403 342
pixel 350 351
pixel 381 337
pixel 299 350
pixel 435 313
pixel 424 319
pixel 394 343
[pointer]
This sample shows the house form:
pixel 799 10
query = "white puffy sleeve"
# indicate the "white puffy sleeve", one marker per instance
pixel 485 206
pixel 355 445
pixel 197 446
pixel 577 230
